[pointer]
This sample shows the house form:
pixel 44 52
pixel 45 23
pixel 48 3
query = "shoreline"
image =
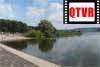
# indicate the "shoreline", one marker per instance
pixel 12 37
pixel 32 59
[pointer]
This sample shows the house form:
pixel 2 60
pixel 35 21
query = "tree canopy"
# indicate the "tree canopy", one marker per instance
pixel 12 26
pixel 35 33
pixel 47 28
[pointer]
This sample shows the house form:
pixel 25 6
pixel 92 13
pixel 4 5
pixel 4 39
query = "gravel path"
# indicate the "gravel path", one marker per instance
pixel 10 60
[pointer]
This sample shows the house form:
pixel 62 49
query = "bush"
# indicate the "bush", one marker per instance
pixel 35 34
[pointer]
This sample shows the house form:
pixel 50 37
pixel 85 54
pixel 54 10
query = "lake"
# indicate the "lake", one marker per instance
pixel 83 50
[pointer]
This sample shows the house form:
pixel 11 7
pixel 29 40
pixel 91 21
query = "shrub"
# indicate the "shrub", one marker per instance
pixel 35 34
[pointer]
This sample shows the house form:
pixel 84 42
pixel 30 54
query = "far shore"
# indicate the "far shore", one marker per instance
pixel 12 37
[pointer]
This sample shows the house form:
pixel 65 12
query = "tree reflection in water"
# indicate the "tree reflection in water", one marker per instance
pixel 46 45
pixel 19 45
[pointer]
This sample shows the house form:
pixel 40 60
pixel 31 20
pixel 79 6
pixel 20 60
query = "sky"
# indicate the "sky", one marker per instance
pixel 32 11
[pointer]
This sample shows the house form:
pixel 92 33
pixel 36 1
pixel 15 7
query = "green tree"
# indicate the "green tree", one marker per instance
pixel 46 45
pixel 47 28
pixel 12 26
pixel 35 34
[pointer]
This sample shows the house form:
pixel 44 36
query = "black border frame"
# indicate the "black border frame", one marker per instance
pixel 79 22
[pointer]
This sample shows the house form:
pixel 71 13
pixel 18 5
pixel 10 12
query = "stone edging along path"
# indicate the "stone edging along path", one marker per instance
pixel 37 61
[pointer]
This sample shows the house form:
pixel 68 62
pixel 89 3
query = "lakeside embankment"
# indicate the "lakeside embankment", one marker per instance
pixel 8 54
pixel 8 59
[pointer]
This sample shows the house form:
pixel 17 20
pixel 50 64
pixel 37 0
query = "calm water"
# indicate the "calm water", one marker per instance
pixel 73 51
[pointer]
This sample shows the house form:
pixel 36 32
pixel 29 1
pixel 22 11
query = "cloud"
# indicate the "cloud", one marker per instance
pixel 56 6
pixel 54 13
pixel 38 3
pixel 35 14
pixel 6 10
pixel 42 0
pixel 35 10
pixel 39 0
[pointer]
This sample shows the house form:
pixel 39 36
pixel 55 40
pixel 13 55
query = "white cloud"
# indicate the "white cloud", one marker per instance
pixel 54 13
pixel 34 12
pixel 6 10
pixel 56 17
pixel 56 6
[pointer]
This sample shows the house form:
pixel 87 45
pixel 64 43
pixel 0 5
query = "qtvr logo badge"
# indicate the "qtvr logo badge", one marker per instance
pixel 81 12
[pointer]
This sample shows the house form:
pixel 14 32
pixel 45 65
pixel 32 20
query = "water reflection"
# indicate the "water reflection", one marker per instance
pixel 76 51
pixel 17 44
pixel 46 45
pixel 81 57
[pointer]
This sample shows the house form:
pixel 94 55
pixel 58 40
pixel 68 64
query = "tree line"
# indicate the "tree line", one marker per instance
pixel 12 26
pixel 44 29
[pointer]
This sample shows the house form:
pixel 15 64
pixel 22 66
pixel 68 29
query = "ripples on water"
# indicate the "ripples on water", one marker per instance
pixel 73 51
